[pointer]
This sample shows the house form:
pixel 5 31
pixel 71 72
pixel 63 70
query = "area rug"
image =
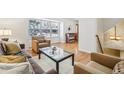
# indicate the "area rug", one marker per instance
pixel 65 67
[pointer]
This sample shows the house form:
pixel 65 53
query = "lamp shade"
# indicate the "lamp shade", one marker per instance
pixel 115 37
pixel 5 32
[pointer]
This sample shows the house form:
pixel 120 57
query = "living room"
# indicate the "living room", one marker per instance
pixel 66 38
pixel 61 46
pixel 22 30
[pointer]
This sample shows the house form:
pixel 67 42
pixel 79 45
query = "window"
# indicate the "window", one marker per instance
pixel 48 28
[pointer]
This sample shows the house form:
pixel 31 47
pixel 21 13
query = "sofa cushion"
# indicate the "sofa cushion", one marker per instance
pixel 99 67
pixel 16 68
pixel 119 68
pixel 84 69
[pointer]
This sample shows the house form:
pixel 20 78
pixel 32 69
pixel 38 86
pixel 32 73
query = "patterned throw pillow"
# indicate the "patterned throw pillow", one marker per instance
pixel 3 48
pixel 119 68
pixel 1 51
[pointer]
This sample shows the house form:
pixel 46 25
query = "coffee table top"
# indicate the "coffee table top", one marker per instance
pixel 58 55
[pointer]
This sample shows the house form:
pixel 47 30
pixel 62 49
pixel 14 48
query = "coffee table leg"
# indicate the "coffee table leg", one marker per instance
pixel 39 55
pixel 73 60
pixel 57 67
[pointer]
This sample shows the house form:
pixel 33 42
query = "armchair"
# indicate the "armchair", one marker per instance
pixel 99 64
pixel 39 42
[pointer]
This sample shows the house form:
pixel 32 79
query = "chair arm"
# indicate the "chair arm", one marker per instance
pixel 37 69
pixel 105 60
pixel 80 68
pixel 35 45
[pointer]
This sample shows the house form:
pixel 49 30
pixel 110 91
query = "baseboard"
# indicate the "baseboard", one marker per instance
pixel 62 41
pixel 84 51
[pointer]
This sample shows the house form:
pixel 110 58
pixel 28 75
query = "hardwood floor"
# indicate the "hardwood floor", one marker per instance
pixel 71 47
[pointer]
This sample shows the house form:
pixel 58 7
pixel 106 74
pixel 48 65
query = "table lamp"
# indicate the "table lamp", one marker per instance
pixel 5 33
pixel 115 36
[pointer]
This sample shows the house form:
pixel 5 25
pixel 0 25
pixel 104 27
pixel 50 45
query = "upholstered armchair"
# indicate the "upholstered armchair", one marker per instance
pixel 99 64
pixel 39 42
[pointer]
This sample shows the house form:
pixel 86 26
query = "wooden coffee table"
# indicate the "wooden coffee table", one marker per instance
pixel 58 56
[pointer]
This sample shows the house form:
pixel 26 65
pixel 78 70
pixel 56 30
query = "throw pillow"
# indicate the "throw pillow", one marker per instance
pixel 12 59
pixel 119 68
pixel 12 48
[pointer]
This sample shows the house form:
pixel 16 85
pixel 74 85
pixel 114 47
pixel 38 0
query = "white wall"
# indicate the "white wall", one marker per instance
pixel 88 28
pixel 87 32
pixel 110 22
pixel 19 27
pixel 100 33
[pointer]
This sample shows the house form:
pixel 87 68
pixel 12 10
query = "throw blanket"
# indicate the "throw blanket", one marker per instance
pixel 12 59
